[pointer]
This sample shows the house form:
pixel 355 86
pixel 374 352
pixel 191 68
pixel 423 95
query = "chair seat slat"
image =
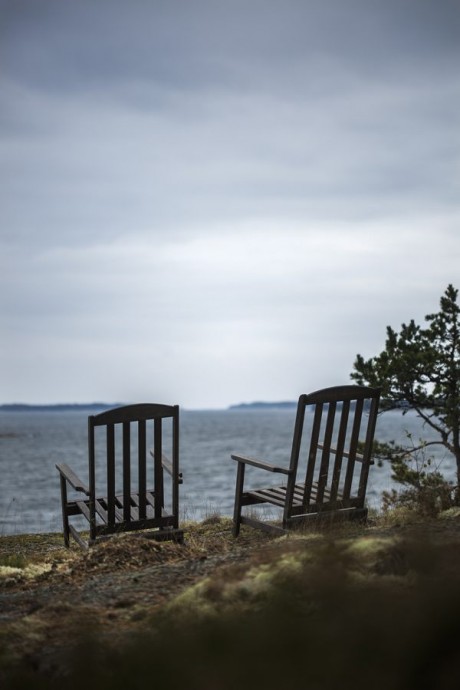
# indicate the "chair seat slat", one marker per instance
pixel 150 498
pixel 101 511
pixel 83 507
pixel 277 495
pixel 266 495
pixel 136 500
pixel 118 514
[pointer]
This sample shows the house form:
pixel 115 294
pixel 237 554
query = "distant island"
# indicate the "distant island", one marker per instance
pixel 284 405
pixel 258 405
pixel 58 407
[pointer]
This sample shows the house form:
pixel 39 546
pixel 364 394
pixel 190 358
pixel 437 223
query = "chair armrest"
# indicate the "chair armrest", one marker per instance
pixel 167 465
pixel 75 481
pixel 262 465
pixel 358 456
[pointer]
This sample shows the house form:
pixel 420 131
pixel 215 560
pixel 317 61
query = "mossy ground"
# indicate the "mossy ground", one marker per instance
pixel 344 605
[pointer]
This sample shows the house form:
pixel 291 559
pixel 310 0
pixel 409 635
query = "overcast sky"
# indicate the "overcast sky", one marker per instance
pixel 208 202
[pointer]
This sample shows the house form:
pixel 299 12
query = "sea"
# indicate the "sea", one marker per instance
pixel 32 442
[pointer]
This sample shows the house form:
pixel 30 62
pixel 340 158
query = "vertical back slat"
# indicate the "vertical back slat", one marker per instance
pixel 340 448
pixel 312 453
pixel 158 468
pixel 368 450
pixel 92 479
pixel 142 467
pixel 353 449
pixel 326 453
pixel 127 471
pixel 175 477
pixel 295 452
pixel 110 433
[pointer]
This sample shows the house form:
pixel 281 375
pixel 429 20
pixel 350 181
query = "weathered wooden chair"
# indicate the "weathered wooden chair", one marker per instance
pixel 331 426
pixel 110 509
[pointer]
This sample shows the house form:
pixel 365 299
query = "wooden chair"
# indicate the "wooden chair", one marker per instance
pixel 331 426
pixel 110 509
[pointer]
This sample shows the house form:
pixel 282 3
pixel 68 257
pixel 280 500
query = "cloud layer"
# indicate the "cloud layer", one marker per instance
pixel 208 202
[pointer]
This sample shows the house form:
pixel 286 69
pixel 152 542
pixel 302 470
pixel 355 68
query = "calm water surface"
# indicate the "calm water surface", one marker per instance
pixel 31 443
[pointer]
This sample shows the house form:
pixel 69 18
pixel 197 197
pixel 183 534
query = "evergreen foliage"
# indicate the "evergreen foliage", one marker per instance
pixel 419 370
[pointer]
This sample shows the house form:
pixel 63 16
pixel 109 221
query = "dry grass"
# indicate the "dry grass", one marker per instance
pixel 329 607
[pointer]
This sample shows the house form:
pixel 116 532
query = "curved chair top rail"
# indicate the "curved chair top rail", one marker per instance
pixel 132 413
pixel 339 393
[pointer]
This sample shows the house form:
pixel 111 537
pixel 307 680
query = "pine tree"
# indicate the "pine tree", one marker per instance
pixel 419 370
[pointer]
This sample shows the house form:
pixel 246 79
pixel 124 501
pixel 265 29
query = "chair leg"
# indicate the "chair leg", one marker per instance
pixel 238 497
pixel 65 517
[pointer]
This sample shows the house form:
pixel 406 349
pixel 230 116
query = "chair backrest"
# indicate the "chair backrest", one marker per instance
pixel 125 433
pixel 334 432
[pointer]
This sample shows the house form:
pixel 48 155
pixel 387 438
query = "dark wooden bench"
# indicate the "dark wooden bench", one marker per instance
pixel 329 464
pixel 126 493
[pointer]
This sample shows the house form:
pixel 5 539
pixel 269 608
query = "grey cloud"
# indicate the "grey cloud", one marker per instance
pixel 89 45
pixel 245 186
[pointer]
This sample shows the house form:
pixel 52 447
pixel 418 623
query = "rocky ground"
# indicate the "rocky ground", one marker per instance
pixel 50 596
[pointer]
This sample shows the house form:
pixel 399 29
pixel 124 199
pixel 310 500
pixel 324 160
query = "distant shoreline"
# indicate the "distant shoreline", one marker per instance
pixel 259 405
pixel 57 407
pixel 99 406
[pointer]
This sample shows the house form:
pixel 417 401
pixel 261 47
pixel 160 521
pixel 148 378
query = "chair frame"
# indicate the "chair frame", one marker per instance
pixel 303 501
pixel 126 511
